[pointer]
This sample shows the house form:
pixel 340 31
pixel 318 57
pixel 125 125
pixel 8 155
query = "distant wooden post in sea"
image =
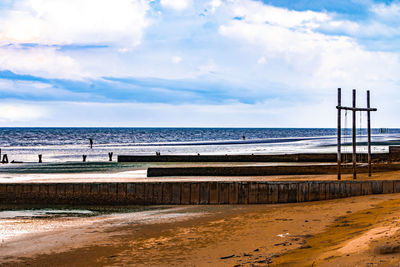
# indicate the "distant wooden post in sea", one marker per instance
pixel 354 109
pixel 5 159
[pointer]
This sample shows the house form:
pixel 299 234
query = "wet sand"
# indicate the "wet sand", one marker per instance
pixel 27 236
pixel 348 232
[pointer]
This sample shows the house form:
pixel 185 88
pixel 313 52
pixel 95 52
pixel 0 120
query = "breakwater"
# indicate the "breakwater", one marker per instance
pixel 184 193
pixel 263 170
pixel 299 157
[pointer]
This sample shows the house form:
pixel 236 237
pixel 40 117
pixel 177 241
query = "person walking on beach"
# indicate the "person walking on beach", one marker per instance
pixel 91 143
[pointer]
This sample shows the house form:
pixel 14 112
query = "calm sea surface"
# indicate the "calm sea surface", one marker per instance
pixel 69 144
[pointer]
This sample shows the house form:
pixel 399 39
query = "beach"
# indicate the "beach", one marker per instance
pixel 349 232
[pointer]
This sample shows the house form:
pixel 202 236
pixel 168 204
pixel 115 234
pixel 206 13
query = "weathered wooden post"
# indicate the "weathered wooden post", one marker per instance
pixel 339 135
pixel 5 159
pixel 369 134
pixel 354 156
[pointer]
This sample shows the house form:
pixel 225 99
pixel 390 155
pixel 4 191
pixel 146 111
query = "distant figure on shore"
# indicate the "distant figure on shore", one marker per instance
pixel 244 137
pixel 91 142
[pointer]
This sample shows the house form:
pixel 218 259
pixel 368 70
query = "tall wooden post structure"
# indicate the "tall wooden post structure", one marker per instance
pixel 354 109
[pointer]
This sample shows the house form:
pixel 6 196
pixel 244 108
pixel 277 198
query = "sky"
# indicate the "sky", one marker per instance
pixel 187 63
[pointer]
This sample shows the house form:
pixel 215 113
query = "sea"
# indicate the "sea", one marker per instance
pixel 69 144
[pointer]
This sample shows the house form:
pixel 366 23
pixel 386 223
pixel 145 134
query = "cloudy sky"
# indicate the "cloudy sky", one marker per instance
pixel 196 63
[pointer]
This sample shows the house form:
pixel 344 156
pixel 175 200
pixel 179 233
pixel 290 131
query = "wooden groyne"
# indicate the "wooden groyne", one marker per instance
pixel 262 170
pixel 183 193
pixel 300 157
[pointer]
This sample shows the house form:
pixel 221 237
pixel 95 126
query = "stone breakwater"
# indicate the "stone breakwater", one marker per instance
pixel 185 193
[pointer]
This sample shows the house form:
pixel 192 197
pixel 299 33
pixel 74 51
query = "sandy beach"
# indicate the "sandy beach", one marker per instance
pixel 349 232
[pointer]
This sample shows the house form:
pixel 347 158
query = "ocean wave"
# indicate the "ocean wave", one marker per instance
pixel 231 142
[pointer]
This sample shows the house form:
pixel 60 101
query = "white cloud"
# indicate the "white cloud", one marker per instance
pixel 262 60
pixel 53 23
pixel 374 29
pixel 40 61
pixel 256 12
pixel 387 12
pixel 176 59
pixel 176 4
pixel 16 113
pixel 344 26
pixel 304 59
pixel 214 4
pixel 117 23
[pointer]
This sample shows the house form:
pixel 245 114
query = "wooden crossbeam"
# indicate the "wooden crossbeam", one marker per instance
pixel 356 109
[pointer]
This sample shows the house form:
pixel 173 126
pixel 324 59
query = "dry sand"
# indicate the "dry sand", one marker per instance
pixel 362 231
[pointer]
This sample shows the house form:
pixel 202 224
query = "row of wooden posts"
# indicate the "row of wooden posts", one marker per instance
pixel 40 156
